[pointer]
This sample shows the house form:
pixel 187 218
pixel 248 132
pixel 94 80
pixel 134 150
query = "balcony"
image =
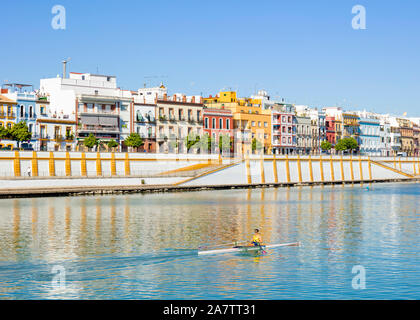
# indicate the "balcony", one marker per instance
pixel 11 115
pixel 93 128
pixel 99 112
pixel 58 138
pixel 141 119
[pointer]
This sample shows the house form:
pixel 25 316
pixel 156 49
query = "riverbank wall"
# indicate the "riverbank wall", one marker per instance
pixel 62 174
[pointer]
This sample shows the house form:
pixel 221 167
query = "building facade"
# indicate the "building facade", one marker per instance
pixel 218 123
pixel 143 123
pixel 178 117
pixel 407 136
pixel 303 135
pixel 283 129
pixel 370 140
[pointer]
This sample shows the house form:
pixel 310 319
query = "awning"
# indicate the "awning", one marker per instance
pixel 108 121
pixel 90 120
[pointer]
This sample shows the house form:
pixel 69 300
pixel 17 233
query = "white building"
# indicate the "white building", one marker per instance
pixel 95 102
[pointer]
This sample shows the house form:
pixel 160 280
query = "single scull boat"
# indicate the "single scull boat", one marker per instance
pixel 247 248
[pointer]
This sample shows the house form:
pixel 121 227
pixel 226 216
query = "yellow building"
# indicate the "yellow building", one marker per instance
pixel 7 118
pixel 248 115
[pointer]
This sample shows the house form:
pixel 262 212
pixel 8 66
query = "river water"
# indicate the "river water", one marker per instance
pixel 145 246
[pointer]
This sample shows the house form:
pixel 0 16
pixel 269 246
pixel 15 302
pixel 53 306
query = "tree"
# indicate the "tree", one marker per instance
pixel 351 143
pixel 191 140
pixel 4 133
pixel 205 143
pixel 225 143
pixel 256 145
pixel 340 145
pixel 112 144
pixel 20 132
pixel 326 145
pixel 134 140
pixel 346 144
pixel 91 141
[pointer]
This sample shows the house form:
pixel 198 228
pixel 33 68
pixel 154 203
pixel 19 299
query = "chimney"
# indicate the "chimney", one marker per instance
pixel 210 96
pixel 165 96
pixel 193 99
pixel 174 97
pixel 201 99
pixel 184 98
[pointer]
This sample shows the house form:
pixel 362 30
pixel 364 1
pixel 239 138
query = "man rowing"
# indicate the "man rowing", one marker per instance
pixel 256 239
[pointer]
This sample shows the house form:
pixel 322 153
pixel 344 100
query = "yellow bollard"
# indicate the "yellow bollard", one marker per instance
pixel 127 164
pixel 311 173
pixel 342 168
pixel 370 169
pixel 276 177
pixel 248 170
pixel 332 169
pixel 16 163
pixel 34 164
pixel 351 168
pixel 361 168
pixel 299 169
pixel 83 169
pixel 287 168
pixel 52 164
pixel 68 164
pixel 321 166
pixel 113 165
pixel 262 168
pixel 98 165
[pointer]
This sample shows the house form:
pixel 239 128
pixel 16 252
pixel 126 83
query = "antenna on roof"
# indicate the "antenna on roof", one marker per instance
pixel 65 67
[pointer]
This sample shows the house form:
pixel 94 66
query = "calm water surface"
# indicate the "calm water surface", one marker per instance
pixel 145 246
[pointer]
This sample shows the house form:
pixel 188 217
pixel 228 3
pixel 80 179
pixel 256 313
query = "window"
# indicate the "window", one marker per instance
pixel 213 124
pixel 22 109
pixel 265 124
pixel 259 124
pixel 253 123
pixel 227 123
pixel 220 123
pixel 30 112
pixel 206 123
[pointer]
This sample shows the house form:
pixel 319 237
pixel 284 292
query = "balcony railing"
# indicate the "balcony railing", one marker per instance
pixel 99 112
pixel 99 128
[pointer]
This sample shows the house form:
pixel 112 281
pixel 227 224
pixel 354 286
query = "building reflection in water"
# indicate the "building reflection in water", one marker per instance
pixel 60 228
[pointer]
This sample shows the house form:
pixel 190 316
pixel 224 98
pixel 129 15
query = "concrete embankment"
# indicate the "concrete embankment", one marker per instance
pixel 196 172
pixel 127 189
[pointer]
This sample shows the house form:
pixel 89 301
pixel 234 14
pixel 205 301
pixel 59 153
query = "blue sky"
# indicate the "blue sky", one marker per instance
pixel 303 51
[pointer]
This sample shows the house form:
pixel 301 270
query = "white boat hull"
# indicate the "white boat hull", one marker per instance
pixel 241 249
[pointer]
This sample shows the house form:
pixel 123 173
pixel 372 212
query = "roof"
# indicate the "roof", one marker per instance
pixel 19 85
pixel 6 100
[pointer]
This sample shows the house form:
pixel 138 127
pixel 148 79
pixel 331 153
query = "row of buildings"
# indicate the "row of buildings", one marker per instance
pixel 66 110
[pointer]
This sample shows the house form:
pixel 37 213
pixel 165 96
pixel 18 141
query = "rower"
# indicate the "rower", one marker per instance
pixel 256 239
